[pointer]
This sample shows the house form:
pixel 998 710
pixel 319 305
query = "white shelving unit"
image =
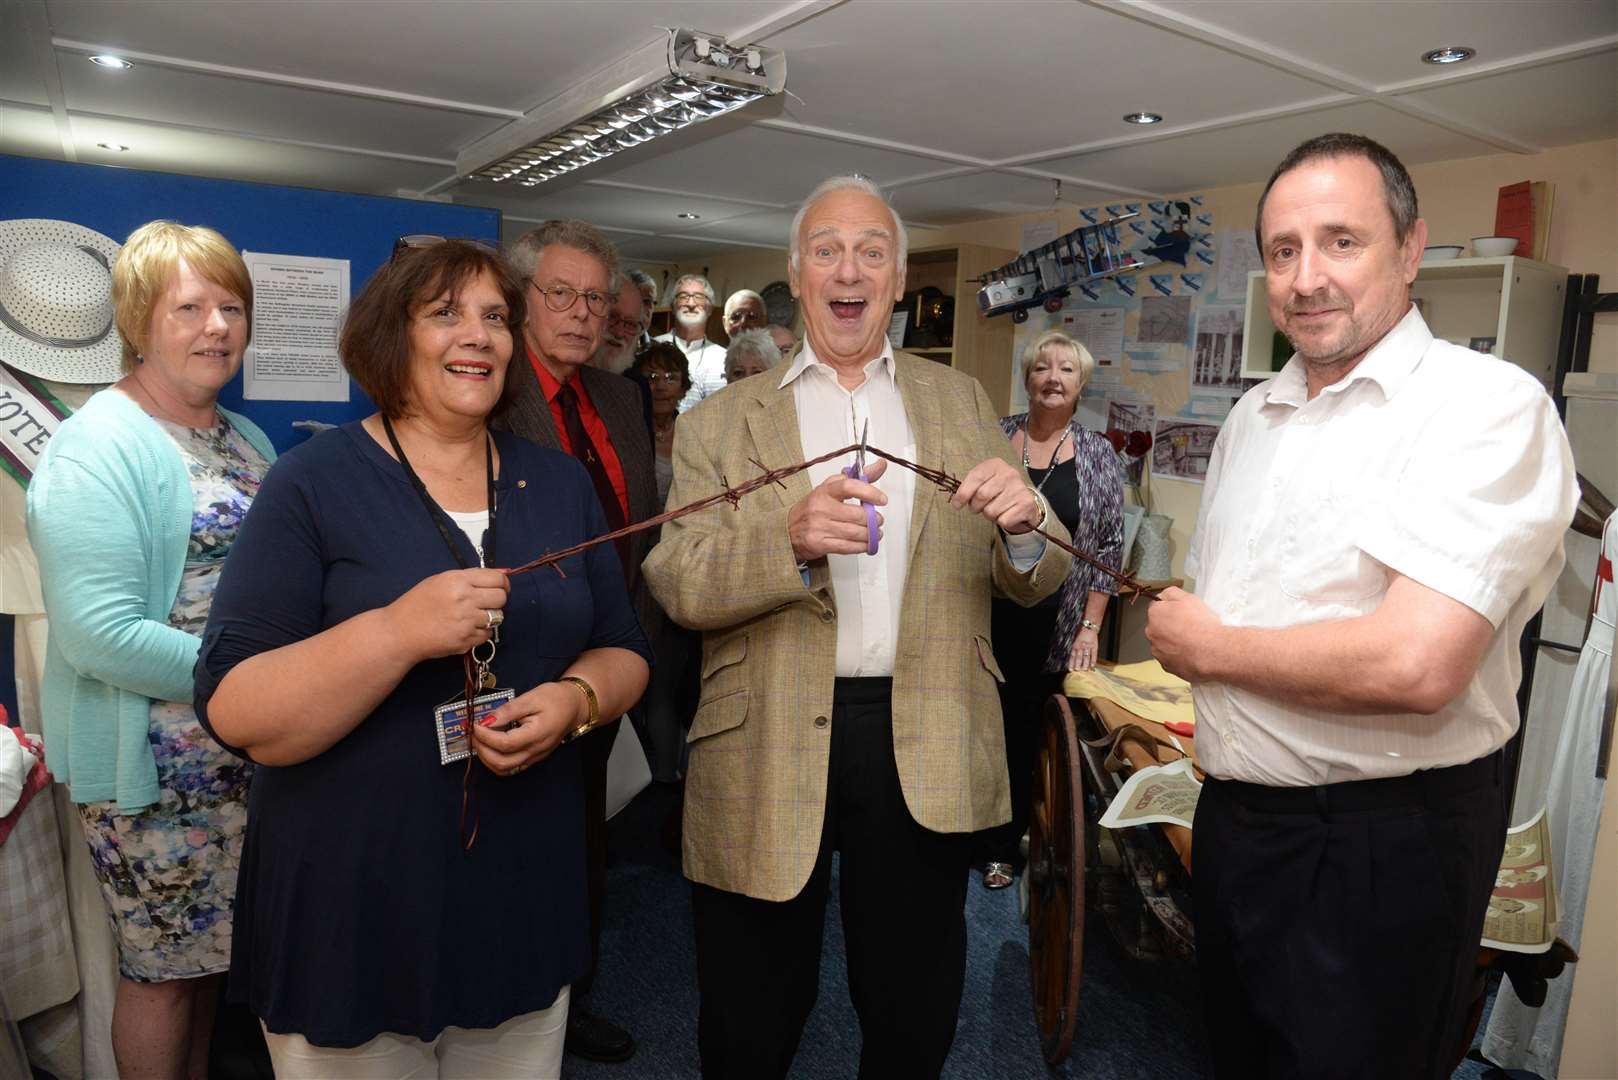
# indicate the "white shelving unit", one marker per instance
pixel 1516 301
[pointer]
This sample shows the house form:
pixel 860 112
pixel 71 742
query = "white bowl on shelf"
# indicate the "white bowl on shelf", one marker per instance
pixel 1439 252
pixel 1493 246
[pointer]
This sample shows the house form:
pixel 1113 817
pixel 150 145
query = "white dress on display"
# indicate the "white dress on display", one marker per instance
pixel 1518 1036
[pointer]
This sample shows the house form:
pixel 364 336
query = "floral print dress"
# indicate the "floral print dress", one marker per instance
pixel 168 872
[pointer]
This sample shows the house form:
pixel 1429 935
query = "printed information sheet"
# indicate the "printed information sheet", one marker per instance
pixel 298 305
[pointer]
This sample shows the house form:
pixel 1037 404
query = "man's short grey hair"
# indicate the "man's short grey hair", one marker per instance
pixel 641 279
pixel 755 343
pixel 707 288
pixel 740 297
pixel 523 253
pixel 849 182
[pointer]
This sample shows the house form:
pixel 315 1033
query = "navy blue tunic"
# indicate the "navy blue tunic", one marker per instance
pixel 357 909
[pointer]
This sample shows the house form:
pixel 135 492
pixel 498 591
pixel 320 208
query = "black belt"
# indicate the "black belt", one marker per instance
pixel 1423 788
pixel 862 690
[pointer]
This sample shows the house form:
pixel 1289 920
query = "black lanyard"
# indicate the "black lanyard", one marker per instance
pixel 433 510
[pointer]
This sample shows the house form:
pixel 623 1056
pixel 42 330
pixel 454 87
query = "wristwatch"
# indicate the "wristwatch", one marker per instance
pixel 1088 625
pixel 590 700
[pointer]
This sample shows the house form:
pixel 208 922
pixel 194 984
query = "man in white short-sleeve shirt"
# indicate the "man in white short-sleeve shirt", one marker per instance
pixel 1379 522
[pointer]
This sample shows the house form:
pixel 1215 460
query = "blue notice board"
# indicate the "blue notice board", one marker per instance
pixel 254 217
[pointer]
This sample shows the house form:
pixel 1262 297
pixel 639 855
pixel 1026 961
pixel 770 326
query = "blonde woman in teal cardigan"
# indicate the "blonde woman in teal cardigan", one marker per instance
pixel 135 504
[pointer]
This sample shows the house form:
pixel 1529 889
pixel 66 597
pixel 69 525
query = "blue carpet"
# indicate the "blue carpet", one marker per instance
pixel 1136 1019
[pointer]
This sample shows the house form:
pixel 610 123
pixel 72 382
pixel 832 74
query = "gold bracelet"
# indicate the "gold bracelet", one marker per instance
pixel 590 699
pixel 1039 499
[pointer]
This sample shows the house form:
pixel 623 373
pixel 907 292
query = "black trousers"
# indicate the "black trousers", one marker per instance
pixel 594 750
pixel 1022 638
pixel 903 896
pixel 1338 926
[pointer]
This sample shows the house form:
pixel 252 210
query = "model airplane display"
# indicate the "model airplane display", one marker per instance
pixel 1046 274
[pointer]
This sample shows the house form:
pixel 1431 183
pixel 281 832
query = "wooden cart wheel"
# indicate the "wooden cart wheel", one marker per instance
pixel 1056 854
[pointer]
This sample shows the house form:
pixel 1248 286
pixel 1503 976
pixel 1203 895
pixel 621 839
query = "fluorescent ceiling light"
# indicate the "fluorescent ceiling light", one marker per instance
pixel 682 78
pixel 1449 54
pixel 107 60
pixel 1142 118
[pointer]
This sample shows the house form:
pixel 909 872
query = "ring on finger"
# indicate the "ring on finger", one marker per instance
pixel 495 618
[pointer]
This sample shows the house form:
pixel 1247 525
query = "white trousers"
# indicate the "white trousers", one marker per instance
pixel 527 1047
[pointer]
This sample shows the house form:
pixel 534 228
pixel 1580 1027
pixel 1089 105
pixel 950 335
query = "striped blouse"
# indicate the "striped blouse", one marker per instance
pixel 1098 532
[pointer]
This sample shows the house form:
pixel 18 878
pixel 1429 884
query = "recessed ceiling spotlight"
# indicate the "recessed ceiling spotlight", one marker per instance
pixel 107 60
pixel 1142 118
pixel 1449 54
pixel 115 147
pixel 686 215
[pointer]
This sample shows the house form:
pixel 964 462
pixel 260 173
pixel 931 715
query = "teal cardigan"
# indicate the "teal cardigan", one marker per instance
pixel 109 518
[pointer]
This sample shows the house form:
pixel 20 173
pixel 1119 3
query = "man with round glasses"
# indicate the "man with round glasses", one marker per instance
pixel 692 301
pixel 562 402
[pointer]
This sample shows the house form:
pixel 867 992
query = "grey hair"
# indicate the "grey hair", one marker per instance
pixel 1055 339
pixel 755 343
pixel 707 288
pixel 524 252
pixel 847 182
pixel 641 278
pixel 740 295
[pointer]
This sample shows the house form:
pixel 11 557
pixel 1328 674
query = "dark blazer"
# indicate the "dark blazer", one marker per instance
pixel 618 402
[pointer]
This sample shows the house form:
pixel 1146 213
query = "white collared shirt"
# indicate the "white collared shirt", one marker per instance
pixel 706 360
pixel 867 589
pixel 1429 460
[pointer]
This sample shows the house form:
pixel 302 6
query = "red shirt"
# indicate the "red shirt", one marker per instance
pixel 593 427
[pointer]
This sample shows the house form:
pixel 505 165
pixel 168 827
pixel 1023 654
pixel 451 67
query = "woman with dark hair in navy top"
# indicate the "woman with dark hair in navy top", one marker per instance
pixel 395 901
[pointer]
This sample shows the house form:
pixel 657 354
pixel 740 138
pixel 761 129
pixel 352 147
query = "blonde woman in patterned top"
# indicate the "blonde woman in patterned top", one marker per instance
pixel 135 504
pixel 1078 472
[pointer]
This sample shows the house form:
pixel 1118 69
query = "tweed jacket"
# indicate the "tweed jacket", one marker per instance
pixel 755 792
pixel 618 402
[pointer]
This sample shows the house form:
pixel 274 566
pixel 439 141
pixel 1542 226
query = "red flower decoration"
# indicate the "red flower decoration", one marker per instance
pixel 1139 443
pixel 1118 439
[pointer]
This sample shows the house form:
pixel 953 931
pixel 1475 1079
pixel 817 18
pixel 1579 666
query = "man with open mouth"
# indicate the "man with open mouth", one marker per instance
pixel 848 685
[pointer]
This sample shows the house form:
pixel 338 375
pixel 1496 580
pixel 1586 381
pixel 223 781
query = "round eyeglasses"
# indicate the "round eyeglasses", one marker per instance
pixel 562 298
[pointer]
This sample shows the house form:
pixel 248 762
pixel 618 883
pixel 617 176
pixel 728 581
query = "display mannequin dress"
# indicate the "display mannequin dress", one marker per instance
pixel 1520 1037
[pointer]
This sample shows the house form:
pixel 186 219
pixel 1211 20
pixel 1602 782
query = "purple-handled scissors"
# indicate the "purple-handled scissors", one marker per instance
pixel 856 471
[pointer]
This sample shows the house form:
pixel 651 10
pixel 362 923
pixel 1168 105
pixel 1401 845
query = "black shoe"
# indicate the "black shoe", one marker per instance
pixel 595 1039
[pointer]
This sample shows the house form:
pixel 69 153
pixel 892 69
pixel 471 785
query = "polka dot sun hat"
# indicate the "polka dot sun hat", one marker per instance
pixel 56 301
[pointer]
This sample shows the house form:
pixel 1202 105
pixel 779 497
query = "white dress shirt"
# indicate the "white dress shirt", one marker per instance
pixel 707 363
pixel 1429 460
pixel 868 589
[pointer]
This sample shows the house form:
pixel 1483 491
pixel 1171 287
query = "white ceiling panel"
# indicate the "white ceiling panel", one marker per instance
pixel 1248 153
pixel 234 158
pixel 947 103
pixel 956 199
pixel 601 205
pixel 1009 78
pixel 768 227
pixel 760 164
pixel 1381 41
pixel 495 52
pixel 19 80
pixel 1552 105
pixel 212 101
pixel 29 131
